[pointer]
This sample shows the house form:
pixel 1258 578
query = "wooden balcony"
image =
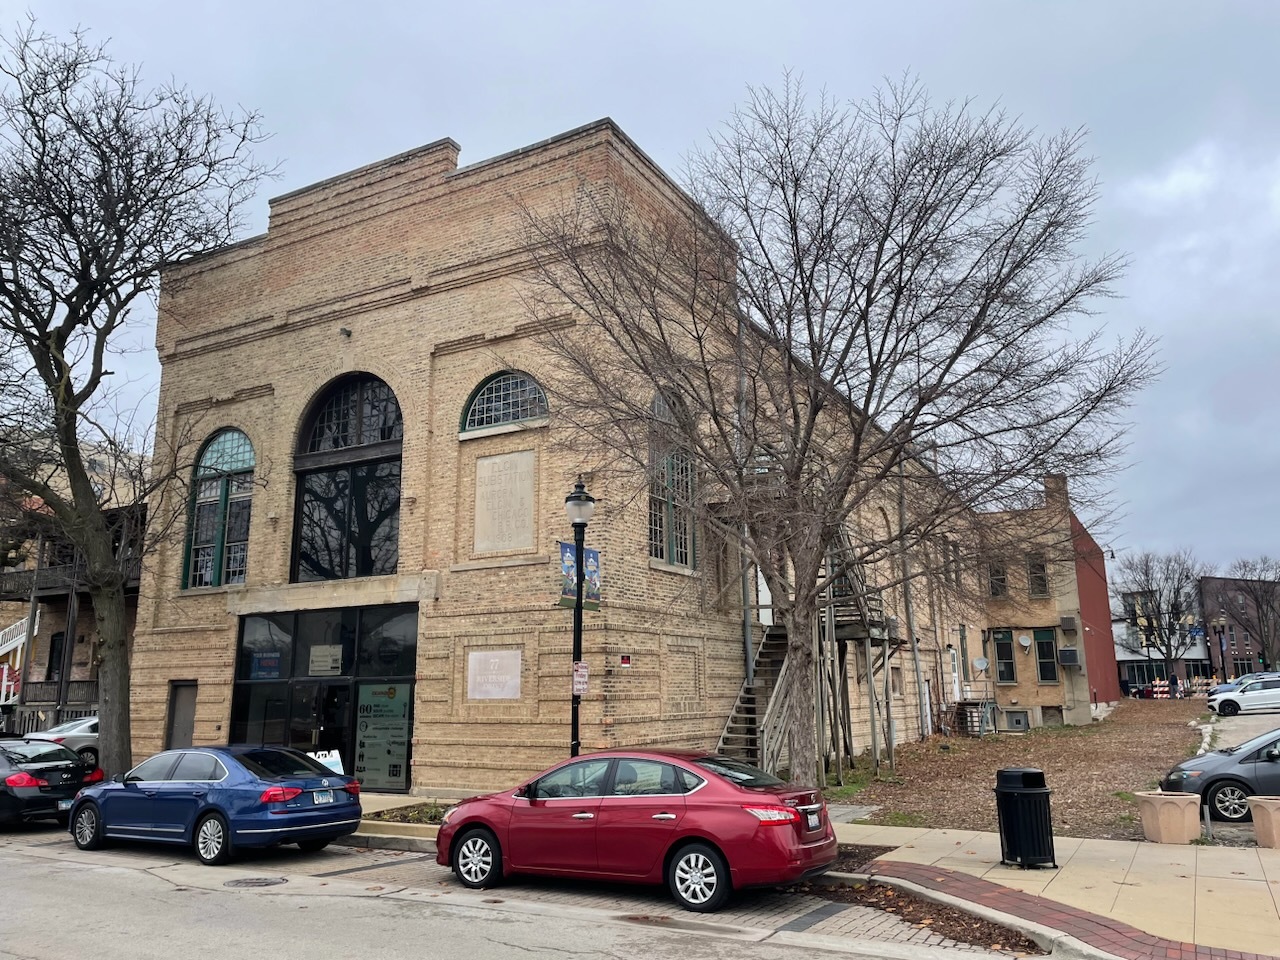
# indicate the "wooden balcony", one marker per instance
pixel 54 580
pixel 79 693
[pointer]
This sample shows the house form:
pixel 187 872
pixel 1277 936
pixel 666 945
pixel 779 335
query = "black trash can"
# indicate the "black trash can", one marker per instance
pixel 1022 807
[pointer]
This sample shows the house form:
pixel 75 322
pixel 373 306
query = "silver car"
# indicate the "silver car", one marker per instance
pixel 79 736
pixel 1227 778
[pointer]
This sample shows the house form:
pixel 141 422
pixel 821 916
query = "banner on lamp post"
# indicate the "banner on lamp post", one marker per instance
pixel 569 577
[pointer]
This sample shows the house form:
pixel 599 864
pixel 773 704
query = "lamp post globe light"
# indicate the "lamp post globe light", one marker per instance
pixel 579 506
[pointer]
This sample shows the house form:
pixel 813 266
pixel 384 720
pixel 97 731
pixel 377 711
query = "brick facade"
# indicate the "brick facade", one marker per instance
pixel 409 270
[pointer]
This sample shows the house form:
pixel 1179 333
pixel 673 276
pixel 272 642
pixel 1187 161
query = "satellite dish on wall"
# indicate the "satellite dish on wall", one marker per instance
pixel 981 664
pixel 1025 642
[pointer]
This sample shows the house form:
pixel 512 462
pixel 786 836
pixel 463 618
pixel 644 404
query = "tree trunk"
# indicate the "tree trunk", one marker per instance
pixel 115 748
pixel 801 742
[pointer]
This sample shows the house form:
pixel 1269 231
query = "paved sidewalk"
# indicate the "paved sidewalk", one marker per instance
pixel 1119 894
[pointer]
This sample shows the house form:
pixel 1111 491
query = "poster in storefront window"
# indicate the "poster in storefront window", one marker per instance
pixel 265 665
pixel 382 735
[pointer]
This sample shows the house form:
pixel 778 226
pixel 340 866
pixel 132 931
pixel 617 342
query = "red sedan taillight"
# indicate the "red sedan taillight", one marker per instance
pixel 279 794
pixel 353 788
pixel 24 779
pixel 772 815
pixel 94 776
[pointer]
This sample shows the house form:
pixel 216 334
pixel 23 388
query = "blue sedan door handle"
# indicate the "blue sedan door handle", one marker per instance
pixel 198 793
pixel 149 793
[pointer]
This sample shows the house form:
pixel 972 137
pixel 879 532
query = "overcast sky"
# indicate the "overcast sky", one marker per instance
pixel 1180 98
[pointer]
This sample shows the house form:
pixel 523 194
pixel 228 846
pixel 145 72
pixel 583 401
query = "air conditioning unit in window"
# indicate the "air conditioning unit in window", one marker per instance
pixel 1069 656
pixel 1068 624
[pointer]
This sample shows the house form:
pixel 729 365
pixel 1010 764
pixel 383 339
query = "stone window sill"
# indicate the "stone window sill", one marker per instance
pixel 664 567
pixel 501 428
pixel 211 591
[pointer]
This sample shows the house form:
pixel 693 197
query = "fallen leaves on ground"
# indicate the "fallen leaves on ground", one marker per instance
pixel 937 918
pixel 1093 771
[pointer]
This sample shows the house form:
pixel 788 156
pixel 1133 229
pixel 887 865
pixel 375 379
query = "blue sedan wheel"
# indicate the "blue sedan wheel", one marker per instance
pixel 212 840
pixel 87 828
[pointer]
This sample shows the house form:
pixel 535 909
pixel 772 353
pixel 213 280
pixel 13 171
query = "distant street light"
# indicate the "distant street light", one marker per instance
pixel 579 506
pixel 1219 628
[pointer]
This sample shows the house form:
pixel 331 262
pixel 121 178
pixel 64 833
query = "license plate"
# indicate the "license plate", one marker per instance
pixel 322 796
pixel 64 805
pixel 812 821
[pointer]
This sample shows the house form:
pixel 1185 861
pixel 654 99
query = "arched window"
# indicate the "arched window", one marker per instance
pixel 671 484
pixel 218 541
pixel 507 397
pixel 348 466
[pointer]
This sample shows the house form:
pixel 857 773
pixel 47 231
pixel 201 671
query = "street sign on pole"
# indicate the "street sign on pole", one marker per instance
pixel 580 678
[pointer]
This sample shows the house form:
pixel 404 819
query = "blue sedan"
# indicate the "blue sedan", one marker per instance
pixel 219 798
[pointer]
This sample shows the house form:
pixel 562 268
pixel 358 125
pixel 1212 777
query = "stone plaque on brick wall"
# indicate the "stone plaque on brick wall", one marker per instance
pixel 493 675
pixel 504 502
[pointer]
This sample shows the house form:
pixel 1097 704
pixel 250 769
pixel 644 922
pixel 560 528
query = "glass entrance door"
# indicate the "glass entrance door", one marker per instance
pixel 320 718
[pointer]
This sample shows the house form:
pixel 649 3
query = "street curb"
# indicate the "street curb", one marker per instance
pixel 390 828
pixel 1060 945
pixel 373 841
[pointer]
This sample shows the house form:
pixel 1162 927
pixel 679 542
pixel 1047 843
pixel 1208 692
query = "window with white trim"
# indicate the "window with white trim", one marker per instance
pixel 671 489
pixel 510 397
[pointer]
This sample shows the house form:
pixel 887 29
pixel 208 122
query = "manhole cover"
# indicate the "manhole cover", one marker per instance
pixel 256 882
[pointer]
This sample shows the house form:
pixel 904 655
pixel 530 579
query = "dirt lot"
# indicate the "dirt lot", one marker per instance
pixel 1093 771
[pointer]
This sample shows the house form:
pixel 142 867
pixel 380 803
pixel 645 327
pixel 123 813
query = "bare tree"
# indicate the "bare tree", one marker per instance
pixel 847 299
pixel 1158 594
pixel 1259 581
pixel 102 181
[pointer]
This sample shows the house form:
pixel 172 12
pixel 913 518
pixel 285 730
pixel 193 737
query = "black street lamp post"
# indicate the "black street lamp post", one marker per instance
pixel 579 505
pixel 1219 628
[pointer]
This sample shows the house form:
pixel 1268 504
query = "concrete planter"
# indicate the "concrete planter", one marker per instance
pixel 1169 817
pixel 1266 820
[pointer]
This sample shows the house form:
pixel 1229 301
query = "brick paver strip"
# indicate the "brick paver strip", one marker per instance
pixel 1113 936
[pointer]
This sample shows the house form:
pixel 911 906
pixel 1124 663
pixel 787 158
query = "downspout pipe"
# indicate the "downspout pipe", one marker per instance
pixel 922 709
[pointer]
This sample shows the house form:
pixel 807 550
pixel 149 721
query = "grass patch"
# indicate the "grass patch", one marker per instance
pixel 1126 796
pixel 428 813
pixel 901 818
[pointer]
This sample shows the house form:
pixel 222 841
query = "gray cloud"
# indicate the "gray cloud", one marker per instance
pixel 1179 98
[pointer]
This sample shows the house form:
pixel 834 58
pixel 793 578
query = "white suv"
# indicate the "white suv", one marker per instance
pixel 1263 694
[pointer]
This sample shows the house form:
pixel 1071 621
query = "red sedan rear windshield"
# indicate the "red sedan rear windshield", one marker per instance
pixel 735 771
pixel 273 764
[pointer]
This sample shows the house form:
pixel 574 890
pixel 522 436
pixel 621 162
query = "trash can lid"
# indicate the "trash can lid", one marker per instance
pixel 1020 777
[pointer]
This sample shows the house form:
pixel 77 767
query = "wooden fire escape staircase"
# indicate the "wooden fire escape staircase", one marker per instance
pixel 756 729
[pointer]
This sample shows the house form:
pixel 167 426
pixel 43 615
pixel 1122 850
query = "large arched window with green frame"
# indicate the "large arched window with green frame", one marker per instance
pixel 221 501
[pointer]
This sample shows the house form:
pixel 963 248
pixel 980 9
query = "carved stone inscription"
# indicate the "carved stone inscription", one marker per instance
pixel 504 502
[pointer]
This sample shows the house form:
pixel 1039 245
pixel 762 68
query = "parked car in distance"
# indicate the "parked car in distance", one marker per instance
pixel 80 736
pixel 1262 694
pixel 1227 778
pixel 39 779
pixel 703 825
pixel 1238 681
pixel 216 799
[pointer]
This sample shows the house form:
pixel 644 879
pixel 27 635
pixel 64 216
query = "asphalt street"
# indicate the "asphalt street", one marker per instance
pixel 142 902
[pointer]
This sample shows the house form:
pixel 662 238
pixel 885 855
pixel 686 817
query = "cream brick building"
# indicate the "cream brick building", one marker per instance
pixel 369 565
pixel 394 290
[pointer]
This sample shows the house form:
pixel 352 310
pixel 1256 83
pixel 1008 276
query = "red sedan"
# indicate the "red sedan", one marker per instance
pixel 704 825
